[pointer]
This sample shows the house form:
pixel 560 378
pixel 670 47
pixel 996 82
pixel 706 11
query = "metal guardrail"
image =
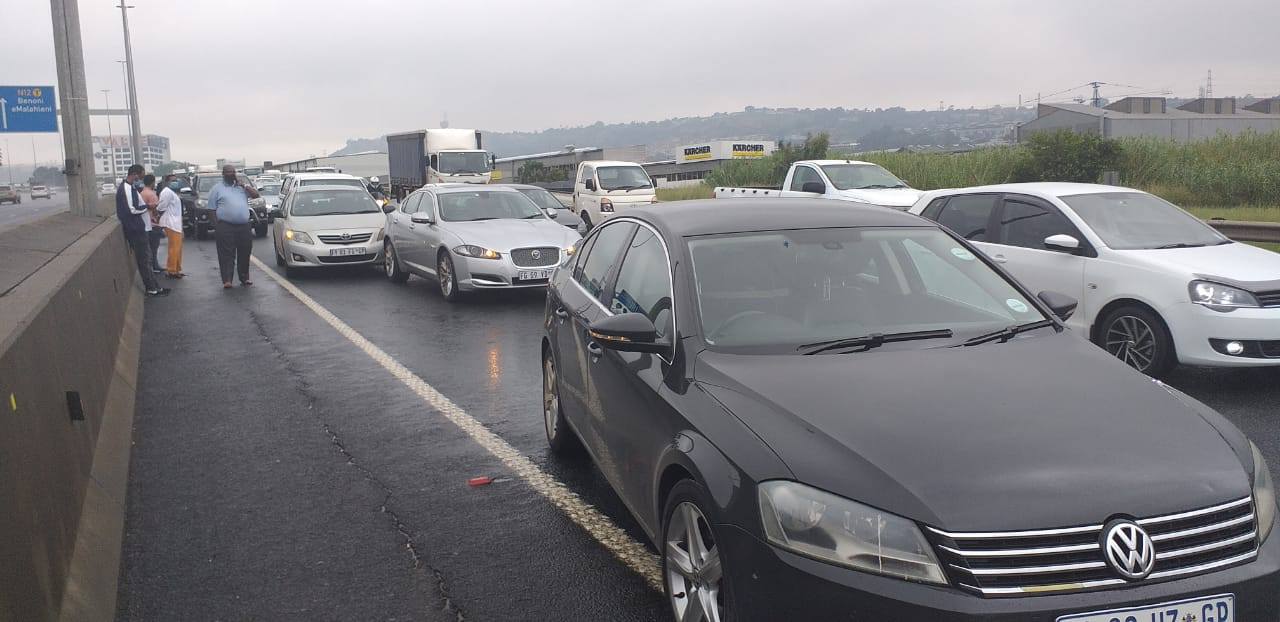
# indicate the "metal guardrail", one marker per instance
pixel 1248 231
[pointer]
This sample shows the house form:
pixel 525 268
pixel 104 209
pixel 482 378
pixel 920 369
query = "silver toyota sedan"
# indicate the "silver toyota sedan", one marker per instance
pixel 468 238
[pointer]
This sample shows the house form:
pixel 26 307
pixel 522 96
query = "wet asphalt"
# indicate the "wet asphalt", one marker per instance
pixel 279 473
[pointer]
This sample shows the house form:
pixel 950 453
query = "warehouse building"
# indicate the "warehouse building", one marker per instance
pixel 694 162
pixel 1151 116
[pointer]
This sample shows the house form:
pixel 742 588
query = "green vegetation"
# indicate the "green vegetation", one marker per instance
pixel 535 172
pixel 686 193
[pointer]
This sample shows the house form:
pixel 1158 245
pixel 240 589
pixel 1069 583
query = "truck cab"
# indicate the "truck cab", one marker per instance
pixel 466 166
pixel 604 188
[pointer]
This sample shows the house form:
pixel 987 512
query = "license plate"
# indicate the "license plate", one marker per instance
pixel 530 275
pixel 340 252
pixel 1220 608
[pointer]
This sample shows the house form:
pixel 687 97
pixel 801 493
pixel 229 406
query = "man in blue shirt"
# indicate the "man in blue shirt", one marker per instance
pixel 229 201
pixel 130 210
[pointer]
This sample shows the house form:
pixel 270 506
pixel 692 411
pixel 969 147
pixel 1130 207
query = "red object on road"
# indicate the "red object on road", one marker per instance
pixel 480 481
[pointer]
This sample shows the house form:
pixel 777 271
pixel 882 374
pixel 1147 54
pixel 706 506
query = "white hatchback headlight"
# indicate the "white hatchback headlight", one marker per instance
pixel 834 529
pixel 1220 297
pixel 1264 494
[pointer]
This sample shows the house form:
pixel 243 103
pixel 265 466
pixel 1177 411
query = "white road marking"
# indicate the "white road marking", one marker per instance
pixel 630 552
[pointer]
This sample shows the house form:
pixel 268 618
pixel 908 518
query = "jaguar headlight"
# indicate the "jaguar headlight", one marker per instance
pixel 479 252
pixel 1220 297
pixel 1264 494
pixel 833 529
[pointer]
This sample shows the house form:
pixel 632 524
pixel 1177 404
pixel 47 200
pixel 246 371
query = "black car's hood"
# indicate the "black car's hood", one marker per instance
pixel 1042 431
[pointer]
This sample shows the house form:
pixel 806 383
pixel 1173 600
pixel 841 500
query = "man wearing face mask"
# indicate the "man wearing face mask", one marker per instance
pixel 170 209
pixel 229 201
pixel 135 222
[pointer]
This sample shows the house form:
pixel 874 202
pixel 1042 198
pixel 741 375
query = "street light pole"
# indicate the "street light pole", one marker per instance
pixel 124 74
pixel 111 137
pixel 135 129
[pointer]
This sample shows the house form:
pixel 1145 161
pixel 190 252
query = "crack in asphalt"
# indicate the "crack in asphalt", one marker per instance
pixel 419 560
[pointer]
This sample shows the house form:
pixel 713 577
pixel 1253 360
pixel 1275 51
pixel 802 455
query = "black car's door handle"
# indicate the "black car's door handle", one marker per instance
pixel 561 313
pixel 595 349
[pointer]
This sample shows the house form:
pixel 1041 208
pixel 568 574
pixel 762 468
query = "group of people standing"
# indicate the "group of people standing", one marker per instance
pixel 148 215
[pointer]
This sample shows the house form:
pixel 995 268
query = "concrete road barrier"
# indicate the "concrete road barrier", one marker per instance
pixel 69 333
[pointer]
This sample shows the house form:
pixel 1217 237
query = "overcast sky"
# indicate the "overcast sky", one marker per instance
pixel 284 79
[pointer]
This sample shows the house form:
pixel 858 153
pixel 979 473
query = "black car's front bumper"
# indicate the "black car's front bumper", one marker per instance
pixel 773 584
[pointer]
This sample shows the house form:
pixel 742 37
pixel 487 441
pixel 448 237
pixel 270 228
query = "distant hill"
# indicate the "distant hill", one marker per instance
pixel 865 130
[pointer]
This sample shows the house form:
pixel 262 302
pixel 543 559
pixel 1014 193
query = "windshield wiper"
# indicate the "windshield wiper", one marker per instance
pixel 529 216
pixel 874 340
pixel 1008 333
pixel 1181 245
pixel 484 218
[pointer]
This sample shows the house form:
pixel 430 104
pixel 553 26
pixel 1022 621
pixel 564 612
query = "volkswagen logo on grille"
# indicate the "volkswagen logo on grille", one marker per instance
pixel 1128 549
pixel 346 236
pixel 537 254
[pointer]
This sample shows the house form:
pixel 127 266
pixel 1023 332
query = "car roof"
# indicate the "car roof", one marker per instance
pixel 316 187
pixel 324 176
pixel 1042 189
pixel 827 162
pixel 522 186
pixel 453 188
pixel 599 163
pixel 712 216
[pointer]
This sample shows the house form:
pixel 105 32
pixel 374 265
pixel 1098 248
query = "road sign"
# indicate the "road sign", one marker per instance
pixel 28 109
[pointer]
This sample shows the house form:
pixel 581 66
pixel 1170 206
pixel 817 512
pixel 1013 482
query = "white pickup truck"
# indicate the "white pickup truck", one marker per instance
pixel 842 180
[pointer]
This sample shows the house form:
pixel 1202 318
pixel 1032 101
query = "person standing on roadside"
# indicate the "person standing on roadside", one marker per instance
pixel 170 209
pixel 154 232
pixel 229 201
pixel 134 221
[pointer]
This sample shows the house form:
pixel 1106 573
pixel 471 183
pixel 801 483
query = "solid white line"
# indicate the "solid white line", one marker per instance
pixel 630 552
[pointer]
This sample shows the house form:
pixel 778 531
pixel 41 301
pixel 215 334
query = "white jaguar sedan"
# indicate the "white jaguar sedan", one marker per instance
pixel 1156 285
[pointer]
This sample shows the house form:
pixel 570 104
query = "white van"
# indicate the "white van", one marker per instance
pixel 604 188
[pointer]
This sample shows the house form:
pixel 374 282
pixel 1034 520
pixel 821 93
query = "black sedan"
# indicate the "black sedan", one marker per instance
pixel 825 411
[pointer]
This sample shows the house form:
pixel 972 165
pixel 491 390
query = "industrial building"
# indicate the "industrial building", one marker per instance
pixel 1151 116
pixel 691 164
pixel 106 149
pixel 365 164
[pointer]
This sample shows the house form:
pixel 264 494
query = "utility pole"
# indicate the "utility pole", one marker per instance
pixel 10 167
pixel 135 125
pixel 1097 100
pixel 124 73
pixel 1208 87
pixel 73 100
pixel 111 136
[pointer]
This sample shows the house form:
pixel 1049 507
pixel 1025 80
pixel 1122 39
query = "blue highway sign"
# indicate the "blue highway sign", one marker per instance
pixel 28 109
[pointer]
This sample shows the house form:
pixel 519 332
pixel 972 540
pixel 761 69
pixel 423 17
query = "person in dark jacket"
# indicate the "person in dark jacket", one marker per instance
pixel 131 211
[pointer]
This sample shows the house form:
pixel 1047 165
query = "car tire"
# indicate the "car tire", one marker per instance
pixel 447 278
pixel 279 257
pixel 560 438
pixel 202 232
pixel 1137 336
pixel 391 264
pixel 260 231
pixel 693 553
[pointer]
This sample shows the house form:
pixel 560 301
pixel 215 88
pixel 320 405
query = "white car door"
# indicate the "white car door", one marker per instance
pixel 803 174
pixel 427 235
pixel 1024 222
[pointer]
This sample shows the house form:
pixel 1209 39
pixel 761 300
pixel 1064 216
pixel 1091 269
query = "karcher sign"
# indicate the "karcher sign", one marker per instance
pixel 724 150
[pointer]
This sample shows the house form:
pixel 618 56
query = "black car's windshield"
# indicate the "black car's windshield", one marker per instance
pixel 542 198
pixel 774 291
pixel 207 182
pixel 354 183
pixel 332 203
pixel 455 162
pixel 486 205
pixel 851 176
pixel 623 178
pixel 1135 220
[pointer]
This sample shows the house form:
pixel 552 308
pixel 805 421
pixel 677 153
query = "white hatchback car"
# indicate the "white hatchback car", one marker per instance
pixel 1157 286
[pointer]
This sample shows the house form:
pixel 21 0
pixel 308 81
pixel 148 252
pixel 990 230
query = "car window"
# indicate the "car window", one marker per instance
pixel 586 173
pixel 943 279
pixel 935 206
pixel 487 205
pixel 1027 224
pixel 332 203
pixel 968 215
pixel 1134 220
pixel 644 281
pixel 802 176
pixel 355 183
pixel 411 204
pixel 594 268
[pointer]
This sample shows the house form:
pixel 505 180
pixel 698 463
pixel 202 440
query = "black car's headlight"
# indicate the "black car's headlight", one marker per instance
pixel 821 525
pixel 1264 494
pixel 1220 297
pixel 479 252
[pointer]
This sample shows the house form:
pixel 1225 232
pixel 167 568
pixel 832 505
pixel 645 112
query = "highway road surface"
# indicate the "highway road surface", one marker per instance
pixel 12 215
pixel 303 450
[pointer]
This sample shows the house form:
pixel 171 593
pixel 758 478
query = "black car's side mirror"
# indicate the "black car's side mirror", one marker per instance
pixel 1062 305
pixel 590 185
pixel 815 187
pixel 388 208
pixel 628 332
pixel 275 212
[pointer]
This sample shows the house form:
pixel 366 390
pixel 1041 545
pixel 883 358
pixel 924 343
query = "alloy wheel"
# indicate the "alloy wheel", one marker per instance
pixel 389 260
pixel 550 398
pixel 694 569
pixel 445 270
pixel 1131 340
